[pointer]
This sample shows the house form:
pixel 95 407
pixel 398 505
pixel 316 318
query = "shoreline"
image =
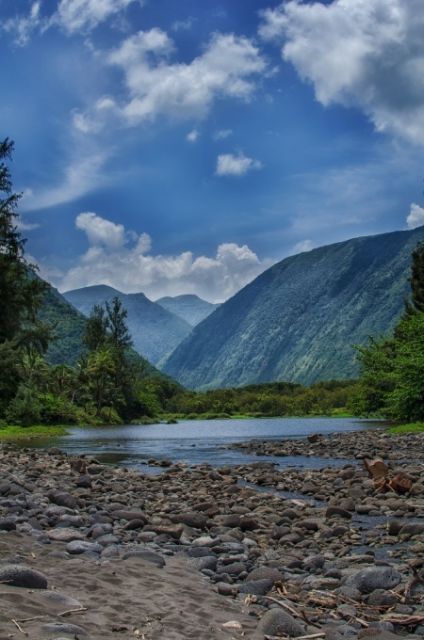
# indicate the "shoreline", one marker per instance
pixel 336 549
pixel 16 432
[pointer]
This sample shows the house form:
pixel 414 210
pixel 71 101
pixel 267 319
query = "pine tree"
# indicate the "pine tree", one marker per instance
pixel 417 278
pixel 20 290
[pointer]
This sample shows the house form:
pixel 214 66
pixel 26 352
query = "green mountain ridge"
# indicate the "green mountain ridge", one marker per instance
pixel 189 307
pixel 68 330
pixel 155 331
pixel 299 320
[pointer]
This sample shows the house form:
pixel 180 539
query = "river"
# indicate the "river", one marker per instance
pixel 195 442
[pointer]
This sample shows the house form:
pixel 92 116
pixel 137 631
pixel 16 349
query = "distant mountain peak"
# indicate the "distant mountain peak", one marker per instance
pixel 189 307
pixel 155 331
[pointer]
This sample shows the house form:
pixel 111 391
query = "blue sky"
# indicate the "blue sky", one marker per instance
pixel 173 147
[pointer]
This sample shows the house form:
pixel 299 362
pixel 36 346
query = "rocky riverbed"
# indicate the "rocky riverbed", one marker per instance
pixel 94 551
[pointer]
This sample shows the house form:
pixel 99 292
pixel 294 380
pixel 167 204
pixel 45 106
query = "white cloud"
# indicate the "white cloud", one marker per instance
pixel 416 216
pixel 101 232
pixel 26 226
pixel 82 175
pixel 22 27
pixel 222 134
pixel 372 56
pixel 302 246
pixel 82 15
pixel 183 25
pixel 155 86
pixel 193 136
pixel 123 260
pixel 229 164
pixel 72 16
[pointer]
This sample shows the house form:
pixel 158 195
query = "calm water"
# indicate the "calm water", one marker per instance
pixel 194 442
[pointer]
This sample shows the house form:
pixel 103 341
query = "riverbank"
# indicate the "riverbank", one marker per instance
pixel 312 552
pixel 14 432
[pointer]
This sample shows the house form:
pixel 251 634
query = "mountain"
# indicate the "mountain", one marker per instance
pixel 154 330
pixel 68 330
pixel 299 319
pixel 190 308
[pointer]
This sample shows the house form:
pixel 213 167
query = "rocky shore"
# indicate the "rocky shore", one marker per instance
pixel 94 551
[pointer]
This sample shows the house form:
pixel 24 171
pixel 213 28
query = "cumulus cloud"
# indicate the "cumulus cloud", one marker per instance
pixel 193 136
pixel 125 261
pixel 157 86
pixel 228 164
pixel 82 175
pixel 416 216
pixel 372 56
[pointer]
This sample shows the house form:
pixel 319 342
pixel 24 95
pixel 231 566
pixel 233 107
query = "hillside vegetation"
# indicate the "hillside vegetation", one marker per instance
pixel 155 331
pixel 300 319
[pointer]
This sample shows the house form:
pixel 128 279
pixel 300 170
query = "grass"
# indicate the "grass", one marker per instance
pixel 13 432
pixel 413 427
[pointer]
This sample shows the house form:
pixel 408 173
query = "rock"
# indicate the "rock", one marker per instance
pixel 19 575
pixel 277 622
pixel 191 519
pixel 63 534
pixel 143 554
pixel 122 514
pixel 337 511
pixel 381 598
pixel 265 573
pixel 225 589
pixel 394 527
pixel 77 547
pixel 412 529
pixel 257 587
pixel 205 562
pixel 6 524
pixel 235 568
pixel 372 578
pixel 63 499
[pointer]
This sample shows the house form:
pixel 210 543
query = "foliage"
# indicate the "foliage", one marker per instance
pixel 415 427
pixel 16 432
pixel 392 380
pixel 106 382
pixel 20 294
pixel 272 399
pixel 299 319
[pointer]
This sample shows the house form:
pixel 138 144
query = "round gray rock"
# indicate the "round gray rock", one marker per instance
pixel 277 622
pixel 19 575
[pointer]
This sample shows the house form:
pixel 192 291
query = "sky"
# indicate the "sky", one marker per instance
pixel 182 146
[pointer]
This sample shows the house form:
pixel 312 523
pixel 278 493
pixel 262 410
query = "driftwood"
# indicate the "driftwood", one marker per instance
pixel 383 481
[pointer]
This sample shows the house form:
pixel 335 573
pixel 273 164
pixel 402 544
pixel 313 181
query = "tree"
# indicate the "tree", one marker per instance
pixel 392 376
pixel 96 329
pixel 417 278
pixel 118 331
pixel 20 290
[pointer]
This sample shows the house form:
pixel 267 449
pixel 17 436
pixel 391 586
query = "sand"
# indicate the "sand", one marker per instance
pixel 123 599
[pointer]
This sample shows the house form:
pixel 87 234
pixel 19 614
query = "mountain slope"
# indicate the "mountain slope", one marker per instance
pixel 299 319
pixel 189 307
pixel 154 330
pixel 68 330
